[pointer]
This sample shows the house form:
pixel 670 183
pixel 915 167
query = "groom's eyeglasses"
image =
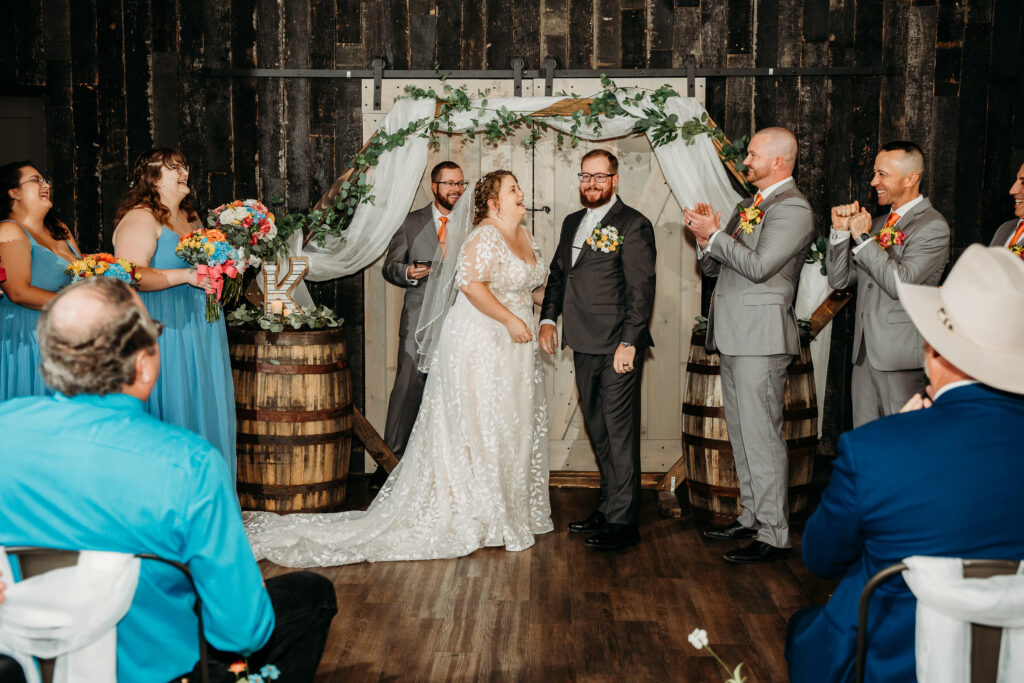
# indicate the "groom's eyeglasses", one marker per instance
pixel 599 178
pixel 461 184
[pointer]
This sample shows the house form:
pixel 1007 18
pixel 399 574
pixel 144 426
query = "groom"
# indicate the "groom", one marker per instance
pixel 603 287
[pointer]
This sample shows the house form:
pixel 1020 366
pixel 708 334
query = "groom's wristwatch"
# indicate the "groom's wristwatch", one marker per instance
pixel 862 238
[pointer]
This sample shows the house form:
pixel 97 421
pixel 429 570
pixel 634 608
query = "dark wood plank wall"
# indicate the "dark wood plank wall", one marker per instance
pixel 120 76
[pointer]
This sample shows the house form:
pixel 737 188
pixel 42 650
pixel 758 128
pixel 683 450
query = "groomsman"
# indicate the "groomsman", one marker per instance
pixel 1011 233
pixel 910 243
pixel 605 296
pixel 407 265
pixel 757 260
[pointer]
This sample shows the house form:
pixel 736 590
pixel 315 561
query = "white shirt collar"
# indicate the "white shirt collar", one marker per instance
pixel 903 210
pixel 953 385
pixel 437 214
pixel 767 192
pixel 600 212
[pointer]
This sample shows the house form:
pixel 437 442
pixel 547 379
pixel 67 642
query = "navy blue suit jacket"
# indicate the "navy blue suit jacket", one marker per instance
pixel 944 481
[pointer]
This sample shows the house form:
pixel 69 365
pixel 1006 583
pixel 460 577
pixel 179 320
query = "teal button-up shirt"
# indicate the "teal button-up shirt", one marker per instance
pixel 98 473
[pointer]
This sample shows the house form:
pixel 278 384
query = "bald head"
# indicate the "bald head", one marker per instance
pixel 90 336
pixel 780 143
pixel 771 157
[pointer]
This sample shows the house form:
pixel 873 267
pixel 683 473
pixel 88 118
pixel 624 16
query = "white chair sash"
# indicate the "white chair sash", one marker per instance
pixel 947 605
pixel 69 614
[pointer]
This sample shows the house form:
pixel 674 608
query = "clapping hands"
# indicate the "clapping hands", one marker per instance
pixel 702 221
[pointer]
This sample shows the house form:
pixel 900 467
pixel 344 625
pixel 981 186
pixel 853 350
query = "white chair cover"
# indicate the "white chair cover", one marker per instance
pixel 947 605
pixel 69 614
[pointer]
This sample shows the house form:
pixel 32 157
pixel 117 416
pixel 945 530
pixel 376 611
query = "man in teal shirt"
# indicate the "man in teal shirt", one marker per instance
pixel 89 469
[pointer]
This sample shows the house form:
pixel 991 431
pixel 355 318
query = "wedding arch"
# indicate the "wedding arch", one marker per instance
pixel 374 196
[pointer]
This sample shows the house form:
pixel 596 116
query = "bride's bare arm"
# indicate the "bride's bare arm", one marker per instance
pixel 480 295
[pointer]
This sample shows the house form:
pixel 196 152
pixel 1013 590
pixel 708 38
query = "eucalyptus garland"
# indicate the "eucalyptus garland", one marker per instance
pixel 502 123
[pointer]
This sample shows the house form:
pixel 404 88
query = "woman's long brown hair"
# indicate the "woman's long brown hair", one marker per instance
pixel 143 194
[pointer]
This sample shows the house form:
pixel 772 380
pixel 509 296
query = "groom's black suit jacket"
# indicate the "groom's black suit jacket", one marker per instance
pixel 604 298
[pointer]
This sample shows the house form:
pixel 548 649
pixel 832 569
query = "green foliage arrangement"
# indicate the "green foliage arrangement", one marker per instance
pixel 610 103
pixel 306 318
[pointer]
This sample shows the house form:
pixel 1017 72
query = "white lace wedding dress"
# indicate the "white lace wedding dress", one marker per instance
pixel 475 471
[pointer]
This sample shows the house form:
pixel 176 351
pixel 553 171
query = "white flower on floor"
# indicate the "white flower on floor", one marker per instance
pixel 699 638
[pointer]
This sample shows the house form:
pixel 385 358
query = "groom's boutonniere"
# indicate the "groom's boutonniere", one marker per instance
pixel 1018 250
pixel 606 239
pixel 750 218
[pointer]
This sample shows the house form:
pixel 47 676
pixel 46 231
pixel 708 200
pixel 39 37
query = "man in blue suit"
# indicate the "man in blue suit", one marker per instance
pixel 941 478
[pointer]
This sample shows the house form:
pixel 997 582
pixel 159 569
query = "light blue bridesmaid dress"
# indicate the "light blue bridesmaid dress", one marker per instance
pixel 19 347
pixel 195 390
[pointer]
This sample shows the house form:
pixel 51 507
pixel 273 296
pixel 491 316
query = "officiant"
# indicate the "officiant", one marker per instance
pixel 407 265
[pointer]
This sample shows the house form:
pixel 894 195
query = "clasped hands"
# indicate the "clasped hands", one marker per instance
pixel 852 218
pixel 702 221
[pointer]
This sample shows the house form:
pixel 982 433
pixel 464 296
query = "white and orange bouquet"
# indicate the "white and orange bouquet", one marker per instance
pixel 103 265
pixel 213 256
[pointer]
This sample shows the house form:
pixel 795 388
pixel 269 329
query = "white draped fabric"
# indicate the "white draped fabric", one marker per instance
pixel 811 291
pixel 694 173
pixel 69 614
pixel 947 604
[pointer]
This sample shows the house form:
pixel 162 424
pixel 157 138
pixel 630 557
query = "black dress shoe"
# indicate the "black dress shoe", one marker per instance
pixel 757 552
pixel 595 522
pixel 726 532
pixel 377 479
pixel 613 536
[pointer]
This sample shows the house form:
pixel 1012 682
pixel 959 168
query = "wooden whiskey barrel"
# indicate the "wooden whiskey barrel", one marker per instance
pixel 712 486
pixel 293 400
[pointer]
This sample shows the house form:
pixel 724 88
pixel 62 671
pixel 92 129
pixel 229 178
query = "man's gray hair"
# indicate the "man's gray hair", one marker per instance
pixel 89 337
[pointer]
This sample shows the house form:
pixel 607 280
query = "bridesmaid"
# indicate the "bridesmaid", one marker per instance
pixel 35 248
pixel 195 389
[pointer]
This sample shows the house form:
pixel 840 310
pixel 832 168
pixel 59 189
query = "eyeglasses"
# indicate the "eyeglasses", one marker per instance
pixel 599 178
pixel 177 167
pixel 36 179
pixel 460 184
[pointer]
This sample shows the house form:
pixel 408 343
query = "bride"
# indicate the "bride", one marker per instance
pixel 475 472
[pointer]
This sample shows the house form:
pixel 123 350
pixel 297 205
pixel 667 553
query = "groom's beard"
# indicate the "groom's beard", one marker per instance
pixel 606 194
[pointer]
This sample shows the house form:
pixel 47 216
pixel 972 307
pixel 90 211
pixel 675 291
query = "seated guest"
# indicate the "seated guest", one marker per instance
pixel 941 479
pixel 89 469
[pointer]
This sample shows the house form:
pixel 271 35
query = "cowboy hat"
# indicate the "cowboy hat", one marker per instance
pixel 976 318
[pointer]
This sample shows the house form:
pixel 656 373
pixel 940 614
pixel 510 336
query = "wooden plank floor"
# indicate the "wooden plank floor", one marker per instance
pixel 561 612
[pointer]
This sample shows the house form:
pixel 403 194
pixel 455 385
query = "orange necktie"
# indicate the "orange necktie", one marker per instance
pixel 442 235
pixel 757 200
pixel 893 219
pixel 1020 231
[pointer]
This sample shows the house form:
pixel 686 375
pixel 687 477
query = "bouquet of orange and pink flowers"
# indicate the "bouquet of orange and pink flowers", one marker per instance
pixel 249 226
pixel 103 265
pixel 214 258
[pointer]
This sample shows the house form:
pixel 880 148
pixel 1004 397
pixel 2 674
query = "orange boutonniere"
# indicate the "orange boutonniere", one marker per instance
pixel 887 237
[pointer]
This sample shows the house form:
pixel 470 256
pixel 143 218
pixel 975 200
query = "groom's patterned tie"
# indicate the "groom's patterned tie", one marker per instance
pixel 580 238
pixel 893 219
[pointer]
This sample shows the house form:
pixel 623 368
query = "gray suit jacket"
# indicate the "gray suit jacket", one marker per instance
pixel 892 341
pixel 1004 233
pixel 416 240
pixel 752 307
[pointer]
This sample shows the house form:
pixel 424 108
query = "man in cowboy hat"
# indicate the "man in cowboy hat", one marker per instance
pixel 942 478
